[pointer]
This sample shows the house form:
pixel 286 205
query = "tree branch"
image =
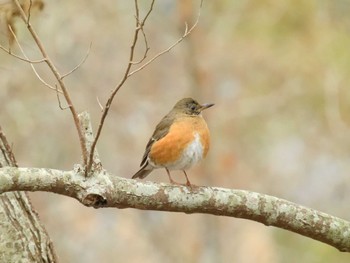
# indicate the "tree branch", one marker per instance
pixel 108 190
pixel 8 51
pixel 23 237
pixel 140 23
pixel 58 77
pixel 79 65
pixel 185 34
pixel 138 27
pixel 31 62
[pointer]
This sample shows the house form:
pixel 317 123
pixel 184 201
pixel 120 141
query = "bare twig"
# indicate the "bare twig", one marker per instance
pixel 139 27
pixel 79 65
pixel 186 33
pixel 147 48
pixel 29 11
pixel 59 100
pixel 99 103
pixel 148 14
pixel 31 64
pixel 8 51
pixel 59 79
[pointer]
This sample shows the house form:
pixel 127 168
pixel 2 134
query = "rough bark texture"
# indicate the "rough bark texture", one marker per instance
pixel 101 189
pixel 106 190
pixel 23 238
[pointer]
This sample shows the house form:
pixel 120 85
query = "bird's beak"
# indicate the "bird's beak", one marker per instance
pixel 206 106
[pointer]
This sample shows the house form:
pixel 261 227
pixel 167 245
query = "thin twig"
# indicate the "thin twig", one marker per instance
pixel 139 25
pixel 137 15
pixel 8 51
pixel 31 64
pixel 147 48
pixel 59 100
pixel 148 13
pixel 99 103
pixel 29 10
pixel 59 79
pixel 79 65
pixel 186 33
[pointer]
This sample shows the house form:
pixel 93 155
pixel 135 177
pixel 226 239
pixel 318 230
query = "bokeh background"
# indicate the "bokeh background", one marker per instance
pixel 278 72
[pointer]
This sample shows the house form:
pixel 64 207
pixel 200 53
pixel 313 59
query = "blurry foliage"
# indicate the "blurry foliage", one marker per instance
pixel 278 72
pixel 9 13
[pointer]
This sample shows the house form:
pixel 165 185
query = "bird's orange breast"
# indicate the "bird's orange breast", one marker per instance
pixel 182 133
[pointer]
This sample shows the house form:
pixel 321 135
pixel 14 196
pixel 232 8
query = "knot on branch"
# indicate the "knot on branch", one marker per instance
pixel 94 200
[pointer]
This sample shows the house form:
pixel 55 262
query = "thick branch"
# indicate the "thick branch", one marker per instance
pixel 23 237
pixel 106 190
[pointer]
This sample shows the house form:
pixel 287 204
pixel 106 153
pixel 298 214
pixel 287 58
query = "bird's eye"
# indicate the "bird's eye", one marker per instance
pixel 193 107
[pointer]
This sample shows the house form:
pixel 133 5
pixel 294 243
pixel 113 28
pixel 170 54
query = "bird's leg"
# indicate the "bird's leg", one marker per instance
pixel 171 180
pixel 188 183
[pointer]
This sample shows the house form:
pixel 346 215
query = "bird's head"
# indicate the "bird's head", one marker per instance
pixel 190 106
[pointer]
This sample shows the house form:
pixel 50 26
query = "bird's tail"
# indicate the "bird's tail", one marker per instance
pixel 142 173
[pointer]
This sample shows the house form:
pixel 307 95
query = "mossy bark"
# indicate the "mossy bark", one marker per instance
pixel 23 238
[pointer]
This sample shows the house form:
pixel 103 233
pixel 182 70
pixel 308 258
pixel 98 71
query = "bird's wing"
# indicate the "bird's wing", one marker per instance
pixel 161 130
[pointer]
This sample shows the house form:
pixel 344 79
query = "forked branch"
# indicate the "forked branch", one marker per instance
pixel 138 28
pixel 128 73
pixel 31 63
pixel 186 33
pixel 58 77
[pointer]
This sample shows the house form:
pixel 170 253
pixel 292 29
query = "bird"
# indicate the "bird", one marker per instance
pixel 180 140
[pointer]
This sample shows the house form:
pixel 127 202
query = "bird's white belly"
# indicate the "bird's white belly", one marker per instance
pixel 190 156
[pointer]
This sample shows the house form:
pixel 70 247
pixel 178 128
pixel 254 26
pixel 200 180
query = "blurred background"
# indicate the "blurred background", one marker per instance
pixel 278 73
